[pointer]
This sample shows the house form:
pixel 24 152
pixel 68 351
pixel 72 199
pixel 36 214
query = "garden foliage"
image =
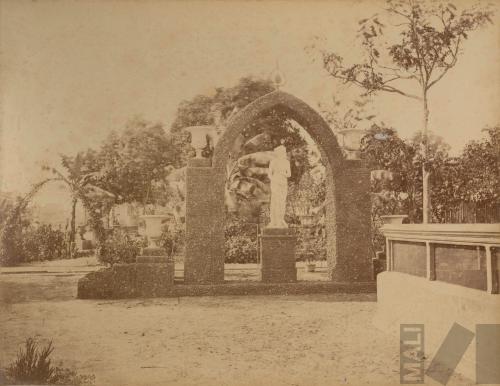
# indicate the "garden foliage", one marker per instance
pixel 21 240
pixel 33 366
pixel 120 247
pixel 241 241
pixel 172 239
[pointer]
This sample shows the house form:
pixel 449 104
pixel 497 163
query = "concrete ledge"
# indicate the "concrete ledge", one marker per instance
pixel 468 234
pixel 403 298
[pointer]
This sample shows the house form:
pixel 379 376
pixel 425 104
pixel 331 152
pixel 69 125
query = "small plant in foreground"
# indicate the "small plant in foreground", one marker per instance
pixel 33 366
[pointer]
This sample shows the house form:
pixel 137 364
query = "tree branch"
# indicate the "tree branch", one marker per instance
pixel 397 91
pixel 448 66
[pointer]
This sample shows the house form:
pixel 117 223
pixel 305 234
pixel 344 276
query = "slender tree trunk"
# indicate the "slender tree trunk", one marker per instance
pixel 72 232
pixel 426 199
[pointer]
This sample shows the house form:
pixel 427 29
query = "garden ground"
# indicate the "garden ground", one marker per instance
pixel 252 340
pixel 84 265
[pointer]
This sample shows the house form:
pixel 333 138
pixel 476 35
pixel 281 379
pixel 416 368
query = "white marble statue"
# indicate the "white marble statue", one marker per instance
pixel 279 172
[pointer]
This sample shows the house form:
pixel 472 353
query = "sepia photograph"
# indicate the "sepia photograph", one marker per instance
pixel 249 192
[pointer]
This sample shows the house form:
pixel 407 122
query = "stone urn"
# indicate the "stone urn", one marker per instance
pixel 351 142
pixel 201 136
pixel 153 228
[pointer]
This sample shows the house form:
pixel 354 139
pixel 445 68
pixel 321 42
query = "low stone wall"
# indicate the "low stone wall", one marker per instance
pixel 132 281
pixel 464 254
pixel 128 281
pixel 259 288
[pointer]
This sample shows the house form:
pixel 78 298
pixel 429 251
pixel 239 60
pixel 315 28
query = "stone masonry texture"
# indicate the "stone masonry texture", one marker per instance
pixel 204 259
pixel 347 198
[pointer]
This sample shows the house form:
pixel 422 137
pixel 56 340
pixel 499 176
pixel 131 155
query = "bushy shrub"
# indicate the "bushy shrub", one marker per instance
pixel 33 366
pixel 241 241
pixel 23 242
pixel 85 253
pixel 172 239
pixel 311 243
pixel 15 220
pixel 119 247
pixel 241 249
pixel 44 243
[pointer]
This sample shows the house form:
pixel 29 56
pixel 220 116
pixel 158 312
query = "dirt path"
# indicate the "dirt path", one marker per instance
pixel 299 340
pixel 253 340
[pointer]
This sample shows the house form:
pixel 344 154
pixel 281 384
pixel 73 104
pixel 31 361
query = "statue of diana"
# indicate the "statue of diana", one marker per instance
pixel 279 172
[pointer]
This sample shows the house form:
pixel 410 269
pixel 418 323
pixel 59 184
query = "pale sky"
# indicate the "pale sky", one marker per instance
pixel 71 71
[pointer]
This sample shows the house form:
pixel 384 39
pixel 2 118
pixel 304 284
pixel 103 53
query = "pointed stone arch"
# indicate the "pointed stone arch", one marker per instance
pixel 347 198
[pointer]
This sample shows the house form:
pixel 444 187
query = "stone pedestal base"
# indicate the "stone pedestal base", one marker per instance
pixel 277 251
pixel 150 263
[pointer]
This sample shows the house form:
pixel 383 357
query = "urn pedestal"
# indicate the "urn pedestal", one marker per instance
pixel 154 267
pixel 277 251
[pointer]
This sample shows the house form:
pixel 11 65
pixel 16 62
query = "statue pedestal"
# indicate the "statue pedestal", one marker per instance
pixel 277 251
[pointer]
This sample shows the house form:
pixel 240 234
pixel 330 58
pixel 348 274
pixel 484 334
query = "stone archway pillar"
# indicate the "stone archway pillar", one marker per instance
pixel 348 216
pixel 204 259
pixel 352 260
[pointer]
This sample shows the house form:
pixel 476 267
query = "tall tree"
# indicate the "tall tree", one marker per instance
pixel 79 174
pixel 134 165
pixel 430 39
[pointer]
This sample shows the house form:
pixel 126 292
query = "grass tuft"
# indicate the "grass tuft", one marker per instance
pixel 33 366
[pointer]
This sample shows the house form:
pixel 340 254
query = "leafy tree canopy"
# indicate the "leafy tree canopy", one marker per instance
pixel 134 164
pixel 473 176
pixel 247 177
pixel 382 148
pixel 429 36
pixel 211 110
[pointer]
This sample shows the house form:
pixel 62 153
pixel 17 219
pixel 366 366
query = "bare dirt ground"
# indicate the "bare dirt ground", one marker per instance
pixel 82 265
pixel 253 340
